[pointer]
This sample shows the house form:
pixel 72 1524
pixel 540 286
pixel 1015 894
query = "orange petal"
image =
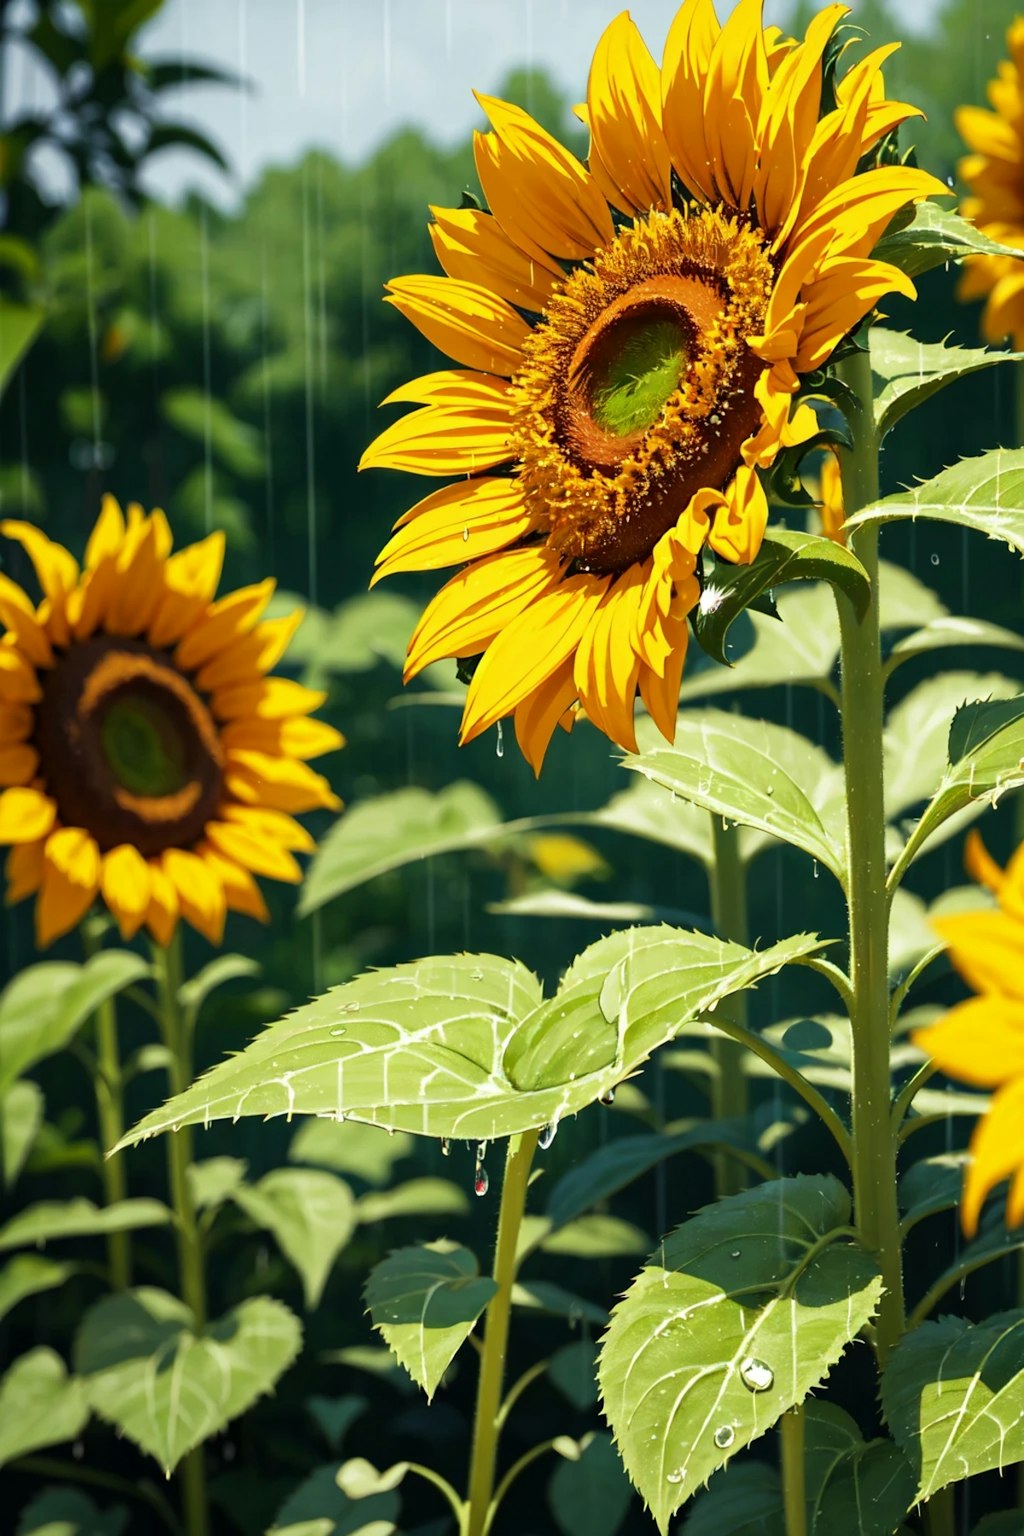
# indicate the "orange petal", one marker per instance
pixel 199 893
pixel 738 527
pixel 539 713
pixel 25 815
pixel 24 871
pixel 162 912
pixel 241 892
pixel 71 877
pixel 19 763
pixel 734 92
pixel 18 615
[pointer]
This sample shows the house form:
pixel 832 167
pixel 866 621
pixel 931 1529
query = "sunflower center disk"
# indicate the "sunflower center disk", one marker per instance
pixel 637 389
pixel 127 747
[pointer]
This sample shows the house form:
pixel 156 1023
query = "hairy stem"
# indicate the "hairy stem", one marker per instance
pixel 492 1361
pixel 192 1280
pixel 108 1080
pixel 794 1501
pixel 727 879
pixel 863 684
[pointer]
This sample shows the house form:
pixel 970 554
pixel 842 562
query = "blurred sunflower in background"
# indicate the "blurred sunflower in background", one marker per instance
pixel 981 1040
pixel 831 510
pixel 994 174
pixel 145 756
pixel 632 335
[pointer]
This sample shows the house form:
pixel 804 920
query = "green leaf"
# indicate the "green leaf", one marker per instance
pixel 861 1489
pixel 40 1405
pixel 425 1301
pixel 318 1507
pixel 951 631
pixel 917 733
pixel 21 1114
pixel 225 968
pixel 546 1296
pixel 756 773
pixel 365 1151
pixel 52 1219
pixel 389 831
pixel 334 1416
pixel 208 420
pixel 148 1373
pixel 597 1237
pixel 908 372
pixel 986 494
pixel 953 1397
pixel 737 1317
pixel 573 1370
pixel 745 1501
pixel 416 1197
pixel 311 1214
pixel 930 1186
pixel 903 601
pixel 933 236
pixel 215 1180
pixel 986 758
pixel 465 1046
pixel 27 1275
pixel 800 646
pixel 591 1494
pixel 67 1512
pixel 42 1009
pixel 784 556
pixel 19 327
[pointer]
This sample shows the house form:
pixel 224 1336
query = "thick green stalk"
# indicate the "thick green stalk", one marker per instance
pixel 728 883
pixel 794 1498
pixel 191 1276
pixel 518 1162
pixel 863 684
pixel 109 1088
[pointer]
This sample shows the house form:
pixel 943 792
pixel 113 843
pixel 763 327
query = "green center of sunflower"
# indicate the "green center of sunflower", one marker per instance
pixel 143 749
pixel 643 364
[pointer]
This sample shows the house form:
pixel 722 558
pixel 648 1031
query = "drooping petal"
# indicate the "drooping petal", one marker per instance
pixel 18 681
pixel 71 877
pixel 55 567
pixel 24 870
pixel 539 713
pixel 127 886
pixel 18 616
pixel 738 527
pixel 199 893
pixel 607 665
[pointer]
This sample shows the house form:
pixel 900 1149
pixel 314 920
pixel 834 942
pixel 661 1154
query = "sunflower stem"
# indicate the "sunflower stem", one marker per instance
pixel 794 1499
pixel 876 1211
pixel 940 1514
pixel 728 882
pixel 477 1510
pixel 108 1080
pixel 192 1280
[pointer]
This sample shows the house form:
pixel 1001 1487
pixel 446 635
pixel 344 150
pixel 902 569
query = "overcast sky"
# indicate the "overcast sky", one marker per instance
pixel 344 74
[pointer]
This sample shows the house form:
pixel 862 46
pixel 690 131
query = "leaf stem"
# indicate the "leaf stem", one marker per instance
pixel 794 1498
pixel 108 1079
pixel 863 705
pixel 940 1514
pixel 192 1280
pixel 492 1362
pixel 513 1472
pixel 967 1266
pixel 727 879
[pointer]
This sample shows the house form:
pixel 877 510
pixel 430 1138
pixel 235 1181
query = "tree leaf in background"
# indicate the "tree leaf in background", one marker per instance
pixel 784 556
pixel 184 136
pixel 745 1501
pixel 953 1397
pixel 756 773
pixel 19 327
pixel 51 1219
pixel 338 1514
pixel 365 1151
pixel 215 1180
pixel 416 1197
pixel 950 631
pixel 932 236
pixel 21 1114
pixel 546 1296
pixel 395 829
pixel 904 602
pixel 465 1046
pixel 27 1275
pixel 168 1389
pixel 312 1215
pixel 591 1494
pixel 204 418
pixel 986 494
pixel 597 1236
pixel 45 1005
pixel 197 989
pixel 908 372
pixel 67 1512
pixel 738 1316
pixel 933 1184
pixel 334 1416
pixel 425 1301
pixel 573 1370
pixel 40 1405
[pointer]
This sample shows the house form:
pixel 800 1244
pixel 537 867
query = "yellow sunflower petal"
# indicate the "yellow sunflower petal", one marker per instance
pixel 456 438
pixel 607 666
pixel 241 892
pixel 247 658
pixel 190 579
pixel 55 567
pixel 258 854
pixel 265 822
pixel 163 910
pixel 738 527
pixel 107 536
pixel 455 525
pixel 529 650
pixel 127 886
pixel 71 877
pixel 300 737
pixel 18 615
pixel 284 783
pixel 272 698
pixel 987 133
pixel 472 247
pixel 199 893
pixel 660 691
pixel 24 871
pixel 986 948
pixel 25 815
pixel 18 681
pixel 477 604
pixel 734 91
pixel 464 320
pixel 231 616
pixel 997 1151
pixel 980 1041
pixel 980 864
pixel 840 299
pixel 1004 312
pixel 539 713
pixel 628 153
pixel 16 723
pixel 19 763
pixel 543 198
pixel 688 49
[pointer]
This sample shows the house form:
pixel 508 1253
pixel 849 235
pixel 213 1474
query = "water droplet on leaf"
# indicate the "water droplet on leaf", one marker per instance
pixel 608 1097
pixel 547 1136
pixel 724 1436
pixel 756 1375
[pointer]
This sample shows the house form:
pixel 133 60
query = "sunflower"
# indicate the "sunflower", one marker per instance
pixel 994 173
pixel 982 1039
pixel 145 755
pixel 632 334
pixel 831 509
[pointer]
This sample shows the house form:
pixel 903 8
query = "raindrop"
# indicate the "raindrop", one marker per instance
pixel 724 1436
pixel 337 1033
pixel 465 535
pixel 351 1008
pixel 676 1477
pixel 499 747
pixel 608 1097
pixel 481 1182
pixel 756 1376
pixel 547 1136
pixel 446 1147
pixel 815 869
pixel 935 559
pixel 735 1253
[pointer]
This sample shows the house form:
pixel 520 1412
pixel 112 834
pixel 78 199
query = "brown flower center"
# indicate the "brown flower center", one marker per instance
pixel 637 387
pixel 127 747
